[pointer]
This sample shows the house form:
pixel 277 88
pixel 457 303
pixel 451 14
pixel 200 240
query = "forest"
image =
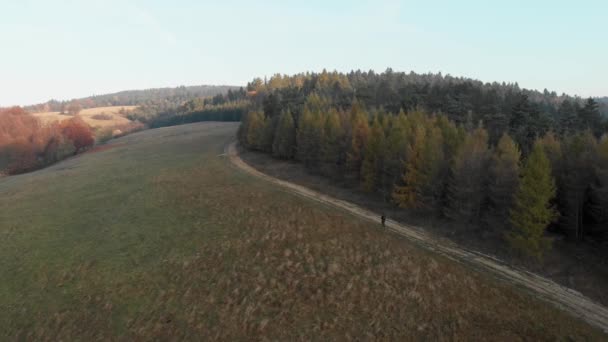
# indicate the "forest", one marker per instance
pixel 508 162
pixel 158 98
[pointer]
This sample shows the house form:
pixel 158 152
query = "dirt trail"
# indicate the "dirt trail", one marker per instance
pixel 566 299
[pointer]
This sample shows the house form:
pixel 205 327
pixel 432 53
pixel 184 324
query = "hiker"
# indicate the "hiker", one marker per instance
pixel 383 219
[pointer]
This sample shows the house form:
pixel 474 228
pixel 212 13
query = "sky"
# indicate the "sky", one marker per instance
pixel 61 49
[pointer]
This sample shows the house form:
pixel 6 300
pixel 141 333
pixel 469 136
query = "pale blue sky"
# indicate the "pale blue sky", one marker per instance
pixel 68 49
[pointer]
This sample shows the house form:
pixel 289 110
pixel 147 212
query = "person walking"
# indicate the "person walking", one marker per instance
pixel 383 219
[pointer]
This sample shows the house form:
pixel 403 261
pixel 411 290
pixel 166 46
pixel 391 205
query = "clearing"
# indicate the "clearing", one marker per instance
pixel 99 117
pixel 162 238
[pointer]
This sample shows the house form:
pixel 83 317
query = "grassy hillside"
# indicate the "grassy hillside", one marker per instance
pixel 98 117
pixel 159 237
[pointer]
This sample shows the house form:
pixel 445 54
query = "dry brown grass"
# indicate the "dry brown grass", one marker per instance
pixel 111 115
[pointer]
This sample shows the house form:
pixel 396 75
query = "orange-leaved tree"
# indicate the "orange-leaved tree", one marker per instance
pixel 78 132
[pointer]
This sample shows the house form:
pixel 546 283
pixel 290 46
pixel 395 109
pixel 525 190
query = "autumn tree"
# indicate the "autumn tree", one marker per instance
pixel 268 132
pixel 78 132
pixel 308 137
pixel 532 211
pixel 420 186
pixel 359 136
pixel 502 182
pixel 396 148
pixel 254 130
pixel 332 147
pixel 285 137
pixel 372 167
pixel 466 187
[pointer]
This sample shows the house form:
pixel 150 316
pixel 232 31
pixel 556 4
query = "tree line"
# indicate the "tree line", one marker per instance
pixel 529 162
pixel 153 98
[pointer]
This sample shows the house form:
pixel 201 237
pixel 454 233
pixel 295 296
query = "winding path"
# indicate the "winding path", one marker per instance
pixel 564 298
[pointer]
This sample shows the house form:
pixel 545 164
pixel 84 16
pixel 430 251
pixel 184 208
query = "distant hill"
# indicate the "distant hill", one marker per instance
pixel 164 96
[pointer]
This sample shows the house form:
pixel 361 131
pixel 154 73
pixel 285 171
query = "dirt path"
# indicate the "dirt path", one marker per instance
pixel 560 296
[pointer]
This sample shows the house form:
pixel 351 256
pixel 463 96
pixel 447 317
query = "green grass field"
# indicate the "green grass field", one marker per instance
pixel 159 237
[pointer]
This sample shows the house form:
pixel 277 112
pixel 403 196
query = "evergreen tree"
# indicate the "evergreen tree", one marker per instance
pixel 359 136
pixel 396 149
pixel 285 137
pixel 465 189
pixel 332 145
pixel 590 117
pixel 308 137
pixel 532 211
pixel 599 191
pixel 503 180
pixel 577 175
pixel 567 118
pixel 453 136
pixel 372 168
pixel 267 133
pixel 527 123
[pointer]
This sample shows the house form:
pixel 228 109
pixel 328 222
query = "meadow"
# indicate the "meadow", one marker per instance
pixel 158 236
pixel 98 117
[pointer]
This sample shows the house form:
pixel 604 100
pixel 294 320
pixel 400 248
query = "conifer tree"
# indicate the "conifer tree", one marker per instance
pixel 285 137
pixel 503 180
pixel 599 197
pixel 267 133
pixel 577 175
pixel 532 211
pixel 590 117
pixel 255 130
pixel 359 136
pixel 372 168
pixel 465 189
pixel 453 136
pixel 420 187
pixel 567 118
pixel 332 145
pixel 308 138
pixel 396 148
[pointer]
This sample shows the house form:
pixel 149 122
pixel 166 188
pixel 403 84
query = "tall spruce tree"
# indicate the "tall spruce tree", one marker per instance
pixel 532 211
pixel 567 118
pixel 466 185
pixel 590 117
pixel 285 137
